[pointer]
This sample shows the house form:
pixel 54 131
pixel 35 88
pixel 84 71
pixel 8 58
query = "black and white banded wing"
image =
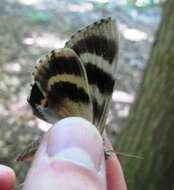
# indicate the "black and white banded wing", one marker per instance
pixel 60 87
pixel 97 47
pixel 77 80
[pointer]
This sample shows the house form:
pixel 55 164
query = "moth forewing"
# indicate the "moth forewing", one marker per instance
pixel 63 81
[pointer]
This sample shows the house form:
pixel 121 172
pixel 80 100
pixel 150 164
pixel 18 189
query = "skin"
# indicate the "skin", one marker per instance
pixel 53 168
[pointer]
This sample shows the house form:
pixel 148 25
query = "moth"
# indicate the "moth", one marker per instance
pixel 77 80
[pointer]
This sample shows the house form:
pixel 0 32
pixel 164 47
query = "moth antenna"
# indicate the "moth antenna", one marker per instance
pixel 129 155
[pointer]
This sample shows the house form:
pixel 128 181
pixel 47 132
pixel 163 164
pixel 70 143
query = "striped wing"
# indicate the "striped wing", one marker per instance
pixel 77 80
pixel 59 90
pixel 97 47
pixel 60 87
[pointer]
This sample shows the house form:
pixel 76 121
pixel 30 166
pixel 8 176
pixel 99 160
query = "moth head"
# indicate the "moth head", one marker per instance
pixel 37 101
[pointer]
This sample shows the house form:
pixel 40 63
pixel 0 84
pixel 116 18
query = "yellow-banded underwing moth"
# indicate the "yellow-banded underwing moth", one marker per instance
pixel 77 80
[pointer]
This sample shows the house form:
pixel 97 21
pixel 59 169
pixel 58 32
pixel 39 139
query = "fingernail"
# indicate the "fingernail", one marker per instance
pixel 76 140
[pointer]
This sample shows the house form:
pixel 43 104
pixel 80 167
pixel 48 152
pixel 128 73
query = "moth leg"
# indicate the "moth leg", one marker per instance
pixel 29 151
pixel 108 153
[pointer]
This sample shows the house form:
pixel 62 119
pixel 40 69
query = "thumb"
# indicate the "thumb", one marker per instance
pixel 69 157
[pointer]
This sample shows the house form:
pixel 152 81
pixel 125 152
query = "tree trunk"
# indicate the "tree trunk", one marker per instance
pixel 149 131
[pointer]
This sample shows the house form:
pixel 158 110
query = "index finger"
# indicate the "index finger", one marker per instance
pixel 114 173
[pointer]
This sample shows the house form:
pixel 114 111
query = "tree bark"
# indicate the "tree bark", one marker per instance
pixel 149 131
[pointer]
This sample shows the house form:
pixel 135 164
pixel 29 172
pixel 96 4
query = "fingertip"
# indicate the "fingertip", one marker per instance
pixel 7 178
pixel 77 140
pixel 73 150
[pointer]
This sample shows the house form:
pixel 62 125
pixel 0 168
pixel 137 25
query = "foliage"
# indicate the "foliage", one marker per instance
pixel 145 3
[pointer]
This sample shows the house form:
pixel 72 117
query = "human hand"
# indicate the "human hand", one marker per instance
pixel 70 157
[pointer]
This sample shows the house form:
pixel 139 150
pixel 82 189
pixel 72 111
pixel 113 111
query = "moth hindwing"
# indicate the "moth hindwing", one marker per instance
pixel 77 80
pixel 97 47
